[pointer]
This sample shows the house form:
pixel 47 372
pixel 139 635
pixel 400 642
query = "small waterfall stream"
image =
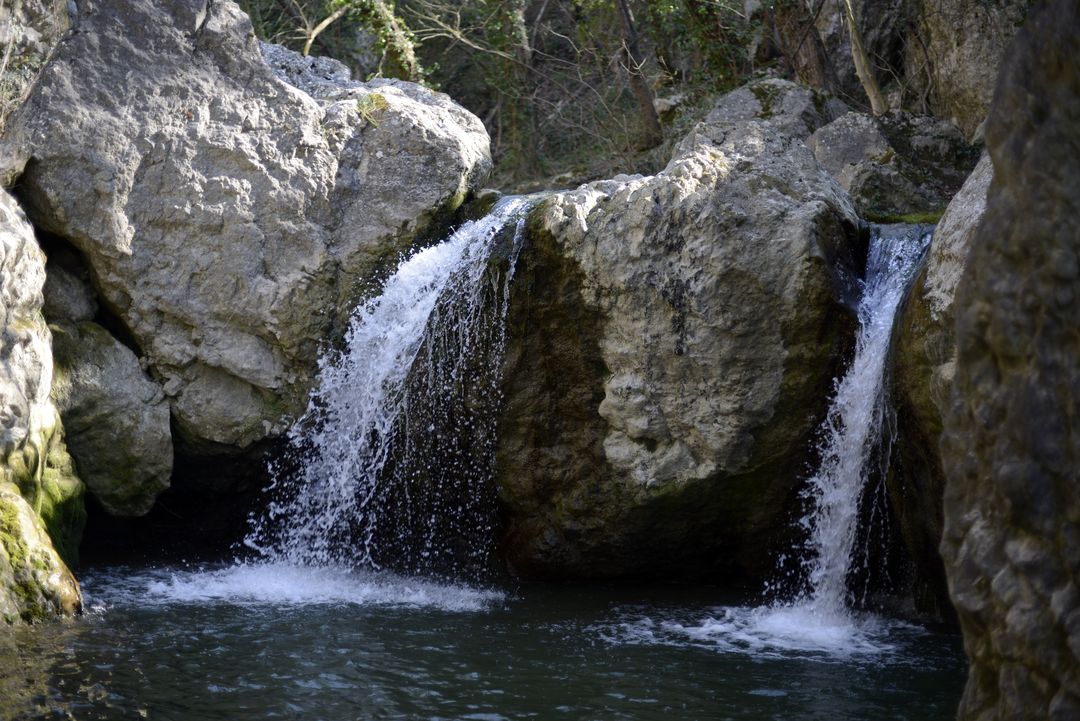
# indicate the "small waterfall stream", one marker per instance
pixel 820 619
pixel 409 401
pixel 853 429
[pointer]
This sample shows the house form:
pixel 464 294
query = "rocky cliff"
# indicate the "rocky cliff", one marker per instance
pixel 923 374
pixel 1011 539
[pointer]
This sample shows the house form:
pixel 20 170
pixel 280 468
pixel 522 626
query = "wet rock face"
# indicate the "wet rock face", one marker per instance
pixel 1012 542
pixel 923 371
pixel 35 585
pixel 40 496
pixel 669 340
pixel 896 166
pixel 229 220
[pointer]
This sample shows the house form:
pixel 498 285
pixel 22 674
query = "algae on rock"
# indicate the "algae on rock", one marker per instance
pixel 40 495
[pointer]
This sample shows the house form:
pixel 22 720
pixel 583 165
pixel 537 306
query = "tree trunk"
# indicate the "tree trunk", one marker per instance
pixel 638 84
pixel 863 68
pixel 801 46
pixel 520 114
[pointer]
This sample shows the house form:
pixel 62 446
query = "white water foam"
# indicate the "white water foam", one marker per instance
pixel 773 632
pixel 853 428
pixel 280 584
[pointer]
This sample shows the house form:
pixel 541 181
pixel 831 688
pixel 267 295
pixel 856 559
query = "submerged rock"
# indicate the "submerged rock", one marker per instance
pixel 899 167
pixel 924 365
pixel 1011 446
pixel 40 496
pixel 670 339
pixel 228 219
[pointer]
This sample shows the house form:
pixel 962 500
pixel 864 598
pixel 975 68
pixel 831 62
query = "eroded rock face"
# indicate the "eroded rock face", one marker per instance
pixel 896 166
pixel 1012 502
pixel 117 419
pixel 229 220
pixel 954 51
pixel 40 496
pixel 923 370
pixel 669 340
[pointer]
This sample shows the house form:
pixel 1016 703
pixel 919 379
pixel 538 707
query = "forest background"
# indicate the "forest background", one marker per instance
pixel 574 90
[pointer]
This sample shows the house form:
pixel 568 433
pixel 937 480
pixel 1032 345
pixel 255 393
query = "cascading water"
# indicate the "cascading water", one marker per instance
pixel 852 432
pixel 408 402
pixel 820 619
pixel 391 464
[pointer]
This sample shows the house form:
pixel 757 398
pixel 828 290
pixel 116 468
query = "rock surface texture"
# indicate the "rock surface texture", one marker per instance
pixel 116 419
pixel 1011 446
pixel 954 50
pixel 669 341
pixel 923 370
pixel 228 219
pixel 29 30
pixel 39 494
pixel 896 166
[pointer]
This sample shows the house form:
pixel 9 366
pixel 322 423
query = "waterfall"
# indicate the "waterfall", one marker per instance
pixel 394 454
pixel 819 620
pixel 852 431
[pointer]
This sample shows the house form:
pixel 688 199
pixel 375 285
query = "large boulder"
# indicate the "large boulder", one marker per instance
pixel 229 220
pixel 1011 442
pixel 116 419
pixel 954 50
pixel 40 496
pixel 898 167
pixel 670 338
pixel 924 365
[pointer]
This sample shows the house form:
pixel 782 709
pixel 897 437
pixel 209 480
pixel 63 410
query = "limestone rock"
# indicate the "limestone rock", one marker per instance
pixel 29 30
pixel 116 419
pixel 230 221
pixel 953 53
pixel 896 166
pixel 924 364
pixel 33 579
pixel 669 340
pixel 1011 445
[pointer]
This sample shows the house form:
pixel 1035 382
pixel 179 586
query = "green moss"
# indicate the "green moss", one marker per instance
pixel 767 96
pixel 930 218
pixel 371 106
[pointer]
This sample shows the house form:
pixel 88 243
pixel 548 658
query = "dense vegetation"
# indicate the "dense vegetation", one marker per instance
pixel 559 83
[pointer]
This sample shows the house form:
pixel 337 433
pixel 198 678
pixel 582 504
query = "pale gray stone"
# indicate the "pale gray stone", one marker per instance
pixel 230 220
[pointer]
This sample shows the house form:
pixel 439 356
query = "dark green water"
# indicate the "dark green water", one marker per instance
pixel 277 643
